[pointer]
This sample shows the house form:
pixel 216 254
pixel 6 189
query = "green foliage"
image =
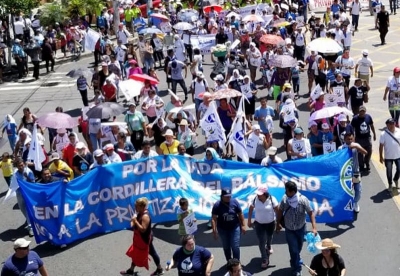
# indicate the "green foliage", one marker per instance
pixel 76 8
pixel 52 13
pixel 17 6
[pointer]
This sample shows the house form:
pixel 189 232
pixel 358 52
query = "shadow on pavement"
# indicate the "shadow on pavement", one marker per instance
pixel 381 196
pixel 254 266
pixel 338 229
pixel 13 234
pixel 281 272
pixel 303 107
pixel 74 112
pixel 3 194
pixel 220 272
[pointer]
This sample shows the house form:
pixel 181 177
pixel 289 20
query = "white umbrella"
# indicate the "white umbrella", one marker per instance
pixel 179 108
pixel 237 16
pixel 183 26
pixel 253 18
pixel 328 112
pixel 324 45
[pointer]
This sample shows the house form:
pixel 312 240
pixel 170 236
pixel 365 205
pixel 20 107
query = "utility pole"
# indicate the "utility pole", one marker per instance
pixel 116 15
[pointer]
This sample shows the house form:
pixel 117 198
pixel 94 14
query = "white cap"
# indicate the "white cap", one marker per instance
pixel 21 243
pixel 80 145
pixel 325 126
pixel 98 153
pixel 219 77
pixel 272 151
pixel 365 52
pixel 342 118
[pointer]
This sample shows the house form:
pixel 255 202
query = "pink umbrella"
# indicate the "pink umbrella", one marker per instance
pixel 160 16
pixel 144 78
pixel 328 112
pixel 57 120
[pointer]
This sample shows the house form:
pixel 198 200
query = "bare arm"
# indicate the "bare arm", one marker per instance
pixel 142 227
pixel 43 271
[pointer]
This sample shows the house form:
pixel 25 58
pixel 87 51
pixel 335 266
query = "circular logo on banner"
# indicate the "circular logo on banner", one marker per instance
pixel 328 148
pixel 239 136
pixel 346 174
pixel 211 118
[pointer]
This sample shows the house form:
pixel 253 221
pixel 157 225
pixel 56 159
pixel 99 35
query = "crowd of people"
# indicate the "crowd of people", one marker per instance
pixel 153 121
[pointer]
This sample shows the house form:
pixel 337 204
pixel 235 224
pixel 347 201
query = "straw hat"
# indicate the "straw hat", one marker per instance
pixel 169 133
pixel 326 244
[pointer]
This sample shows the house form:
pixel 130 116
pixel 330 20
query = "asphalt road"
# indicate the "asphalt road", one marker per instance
pixel 369 244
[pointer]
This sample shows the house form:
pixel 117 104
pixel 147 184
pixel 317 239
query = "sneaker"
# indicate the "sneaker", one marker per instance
pixel 159 271
pixel 128 272
pixel 356 207
pixel 264 264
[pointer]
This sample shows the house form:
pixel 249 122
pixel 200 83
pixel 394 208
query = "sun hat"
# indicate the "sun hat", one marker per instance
pixel 21 243
pixel 342 118
pixel 326 244
pixel 183 122
pixel 169 132
pixel 261 190
pixel 312 123
pixel 272 151
pixel 365 52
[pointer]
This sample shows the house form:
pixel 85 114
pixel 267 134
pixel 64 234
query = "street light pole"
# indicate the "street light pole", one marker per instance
pixel 116 15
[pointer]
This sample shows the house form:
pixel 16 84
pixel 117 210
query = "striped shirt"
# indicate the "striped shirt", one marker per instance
pixel 295 218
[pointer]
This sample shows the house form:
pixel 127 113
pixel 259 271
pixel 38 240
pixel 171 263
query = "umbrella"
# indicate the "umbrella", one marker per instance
pixel 152 30
pixel 130 88
pixel 236 15
pixel 179 108
pixel 271 39
pixel 57 120
pixel 76 73
pixel 283 61
pixel 217 8
pixel 253 17
pixel 328 112
pixel 226 93
pixel 324 45
pixel 159 15
pixel 188 15
pixel 144 78
pixel 105 110
pixel 183 26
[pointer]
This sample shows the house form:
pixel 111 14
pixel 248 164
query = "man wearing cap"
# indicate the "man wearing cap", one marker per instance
pixel 342 127
pixel 363 125
pixel 357 95
pixel 23 261
pixel 110 155
pixel 382 21
pixel 82 159
pixel 363 66
pixel 389 152
pixel 98 159
pixel 228 223
pixel 59 168
pixel 271 157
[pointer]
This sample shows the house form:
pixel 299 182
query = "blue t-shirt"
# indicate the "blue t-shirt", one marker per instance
pixel 335 8
pixel 262 113
pixel 228 218
pixel 315 139
pixel 28 266
pixel 12 130
pixel 191 264
pixel 326 137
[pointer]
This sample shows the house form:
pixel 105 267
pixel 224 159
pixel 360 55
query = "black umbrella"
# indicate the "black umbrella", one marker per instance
pixel 105 110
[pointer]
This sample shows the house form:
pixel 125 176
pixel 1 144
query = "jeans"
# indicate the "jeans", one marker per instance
pixel 148 63
pixel 36 68
pixel 94 141
pixel 264 232
pixel 296 85
pixel 357 191
pixel 389 170
pixel 354 20
pixel 123 71
pixel 382 34
pixel 295 240
pixel 392 4
pixel 84 97
pixel 230 242
pixel 395 114
pixel 364 159
pixel 22 206
pixel 182 83
pixel 356 166
pixel 52 64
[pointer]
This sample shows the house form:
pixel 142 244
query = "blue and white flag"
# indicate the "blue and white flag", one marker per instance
pixel 36 153
pixel 237 134
pixel 212 126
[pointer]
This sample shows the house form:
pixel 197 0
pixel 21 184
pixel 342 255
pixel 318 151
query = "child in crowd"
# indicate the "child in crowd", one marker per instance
pixel 7 167
pixel 327 136
pixel 182 213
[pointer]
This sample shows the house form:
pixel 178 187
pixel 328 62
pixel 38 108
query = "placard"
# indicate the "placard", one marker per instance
pixel 190 224
pixel 315 93
pixel 329 147
pixel 91 39
pixel 330 100
pixel 339 92
pixel 298 146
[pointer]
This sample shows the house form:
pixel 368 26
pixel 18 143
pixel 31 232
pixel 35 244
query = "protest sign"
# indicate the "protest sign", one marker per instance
pixel 91 39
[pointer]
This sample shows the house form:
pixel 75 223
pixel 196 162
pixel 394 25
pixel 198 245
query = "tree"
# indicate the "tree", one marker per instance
pixel 52 13
pixel 76 8
pixel 17 6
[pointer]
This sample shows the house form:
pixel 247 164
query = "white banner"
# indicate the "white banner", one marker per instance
pixel 247 10
pixel 130 88
pixel 91 39
pixel 330 100
pixel 203 42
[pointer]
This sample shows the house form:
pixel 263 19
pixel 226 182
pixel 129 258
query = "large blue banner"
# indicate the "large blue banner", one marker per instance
pixel 103 200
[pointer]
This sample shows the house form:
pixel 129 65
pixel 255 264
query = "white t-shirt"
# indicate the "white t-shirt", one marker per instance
pixel 123 35
pixel 364 64
pixel 299 39
pixel 19 27
pixel 199 63
pixel 338 35
pixel 176 73
pixel 114 158
pixel 120 53
pixel 347 38
pixel 391 148
pixel 94 125
pixel 355 8
pixel 349 62
pixel 199 87
pixel 393 84
pixel 267 161
pixel 264 212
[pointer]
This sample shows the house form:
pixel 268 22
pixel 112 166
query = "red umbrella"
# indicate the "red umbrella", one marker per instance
pixel 144 78
pixel 271 39
pixel 217 8
pixel 159 15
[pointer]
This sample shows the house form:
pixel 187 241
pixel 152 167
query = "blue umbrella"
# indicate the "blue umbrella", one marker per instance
pixel 150 31
pixel 188 15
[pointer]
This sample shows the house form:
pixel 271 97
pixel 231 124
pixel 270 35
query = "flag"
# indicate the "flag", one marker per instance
pixel 13 188
pixel 212 126
pixel 36 153
pixel 236 136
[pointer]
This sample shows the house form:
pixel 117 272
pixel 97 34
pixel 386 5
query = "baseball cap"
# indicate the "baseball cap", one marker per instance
pixel 255 127
pixel 54 156
pixel 362 108
pixel 390 121
pixel 272 151
pixel 80 145
pixel 365 52
pixel 325 126
pixel 298 130
pixel 219 77
pixel 396 70
pixel 226 192
pixel 342 118
pixel 261 190
pixel 312 123
pixel 200 75
pixel 98 153
pixel 109 147
pixel 21 243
